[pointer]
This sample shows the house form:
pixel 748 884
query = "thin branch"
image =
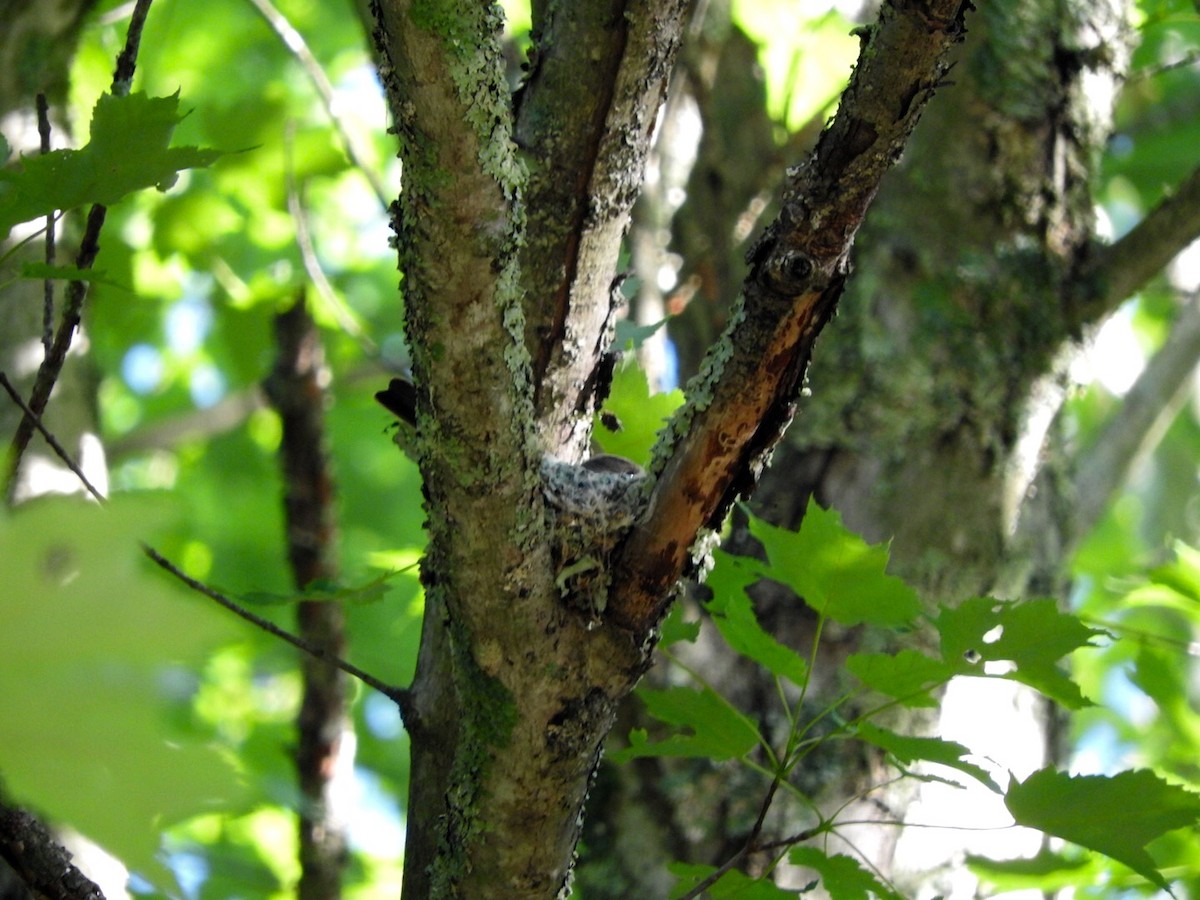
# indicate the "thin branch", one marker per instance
pixel 400 696
pixel 89 247
pixel 1117 271
pixel 58 448
pixel 750 845
pixel 583 118
pixel 1144 415
pixel 298 47
pixel 127 60
pixel 43 118
pixel 344 315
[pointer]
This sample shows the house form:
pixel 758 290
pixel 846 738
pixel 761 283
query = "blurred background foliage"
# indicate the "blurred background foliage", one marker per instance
pixel 179 352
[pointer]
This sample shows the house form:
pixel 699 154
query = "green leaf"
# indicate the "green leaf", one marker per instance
pixel 1181 574
pixel 325 592
pixel 641 414
pixel 1047 872
pixel 836 572
pixel 734 617
pixel 631 336
pixel 100 638
pixel 675 628
pixel 717 730
pixel 842 877
pixel 1117 816
pixel 128 151
pixel 911 749
pixel 909 676
pixel 1032 635
pixel 732 885
pixel 41 271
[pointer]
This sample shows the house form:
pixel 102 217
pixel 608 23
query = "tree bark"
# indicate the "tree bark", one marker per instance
pixel 934 394
pixel 523 657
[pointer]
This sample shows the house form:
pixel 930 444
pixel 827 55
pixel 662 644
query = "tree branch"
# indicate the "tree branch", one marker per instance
pixel 59 450
pixel 39 861
pixel 584 117
pixel 295 44
pixel 399 695
pixel 744 397
pixel 1117 271
pixel 296 388
pixel 1139 424
pixel 89 247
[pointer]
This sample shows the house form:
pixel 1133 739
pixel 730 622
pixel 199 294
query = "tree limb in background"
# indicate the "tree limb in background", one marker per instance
pixel 1117 271
pixel 296 388
pixel 294 41
pixel 39 861
pixel 720 440
pixel 89 247
pixel 1139 423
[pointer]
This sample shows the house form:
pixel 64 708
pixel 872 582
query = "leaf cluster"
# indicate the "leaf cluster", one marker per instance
pixel 843 580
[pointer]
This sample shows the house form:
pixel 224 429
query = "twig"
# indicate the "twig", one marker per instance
pixel 1148 408
pixel 58 448
pixel 312 265
pixel 43 117
pixel 298 47
pixel 751 845
pixel 401 696
pixel 89 247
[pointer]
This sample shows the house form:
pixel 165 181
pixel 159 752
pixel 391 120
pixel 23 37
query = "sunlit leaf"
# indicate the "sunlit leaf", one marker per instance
pixel 1032 635
pixel 712 727
pixel 68 273
pixel 842 876
pixel 732 885
pixel 1048 871
pixel 640 413
pixel 734 617
pixel 909 750
pixel 909 676
pixel 128 151
pixel 836 572
pixel 371 592
pixel 1117 816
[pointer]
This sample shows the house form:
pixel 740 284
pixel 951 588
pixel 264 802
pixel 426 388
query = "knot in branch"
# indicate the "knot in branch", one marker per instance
pixel 786 272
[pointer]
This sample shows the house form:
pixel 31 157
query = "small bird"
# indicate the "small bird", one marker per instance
pixel 613 465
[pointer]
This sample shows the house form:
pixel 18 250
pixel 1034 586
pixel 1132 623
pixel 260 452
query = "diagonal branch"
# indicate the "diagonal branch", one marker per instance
pixel 745 395
pixel 398 695
pixel 39 861
pixel 1117 271
pixel 1144 415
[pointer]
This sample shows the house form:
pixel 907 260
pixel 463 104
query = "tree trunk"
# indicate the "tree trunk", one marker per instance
pixel 545 579
pixel 934 395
